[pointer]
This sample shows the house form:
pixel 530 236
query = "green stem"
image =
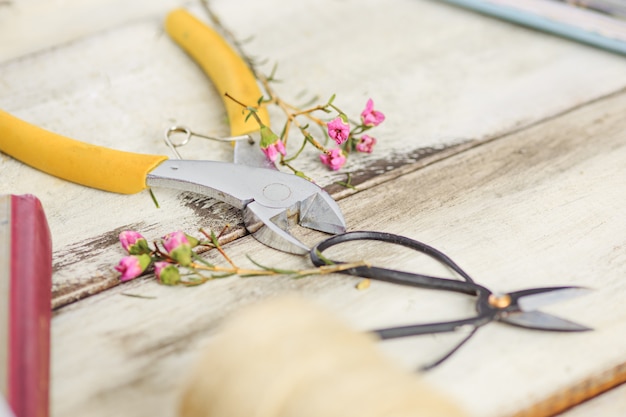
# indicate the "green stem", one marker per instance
pixel 285 161
pixel 251 110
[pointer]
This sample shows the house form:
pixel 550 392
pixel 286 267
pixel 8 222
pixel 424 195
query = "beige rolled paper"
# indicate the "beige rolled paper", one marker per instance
pixel 289 358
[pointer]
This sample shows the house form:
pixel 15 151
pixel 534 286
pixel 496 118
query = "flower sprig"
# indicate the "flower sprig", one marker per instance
pixel 174 260
pixel 348 135
pixel 274 146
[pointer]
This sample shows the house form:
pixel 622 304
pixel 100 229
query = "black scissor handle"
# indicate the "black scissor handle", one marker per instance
pixel 468 286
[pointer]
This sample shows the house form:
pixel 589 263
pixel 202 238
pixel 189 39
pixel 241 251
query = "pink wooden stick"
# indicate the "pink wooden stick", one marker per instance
pixel 27 276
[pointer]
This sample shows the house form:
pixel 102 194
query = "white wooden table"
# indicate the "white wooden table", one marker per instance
pixel 503 147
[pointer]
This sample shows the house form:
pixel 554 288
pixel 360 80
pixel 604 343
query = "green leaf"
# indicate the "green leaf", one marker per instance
pixel 194 283
pixel 324 259
pixel 347 183
pixel 154 199
pixel 224 275
pixel 203 261
pixel 275 270
pixel 254 275
pixel 145 297
pixel 214 239
pixel 302 175
pixel 273 72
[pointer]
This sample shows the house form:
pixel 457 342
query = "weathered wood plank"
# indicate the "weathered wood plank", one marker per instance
pixel 446 78
pixel 610 404
pixel 540 207
pixel 28 27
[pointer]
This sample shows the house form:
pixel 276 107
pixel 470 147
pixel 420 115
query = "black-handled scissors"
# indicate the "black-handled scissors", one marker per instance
pixel 518 308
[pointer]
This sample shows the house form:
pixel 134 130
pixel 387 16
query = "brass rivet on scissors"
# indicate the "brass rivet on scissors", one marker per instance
pixel 499 301
pixel 188 134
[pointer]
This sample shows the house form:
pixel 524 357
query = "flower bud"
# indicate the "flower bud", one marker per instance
pixel 166 273
pixel 271 145
pixel 173 240
pixel 182 255
pixel 133 242
pixel 178 247
pixel 132 266
pixel 268 137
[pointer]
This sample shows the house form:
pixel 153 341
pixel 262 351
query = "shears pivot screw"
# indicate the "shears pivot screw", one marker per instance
pixel 499 301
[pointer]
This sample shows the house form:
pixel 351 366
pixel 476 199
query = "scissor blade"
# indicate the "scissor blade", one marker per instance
pixel 549 296
pixel 543 321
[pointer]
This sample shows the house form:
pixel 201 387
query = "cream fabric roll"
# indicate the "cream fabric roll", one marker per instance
pixel 289 358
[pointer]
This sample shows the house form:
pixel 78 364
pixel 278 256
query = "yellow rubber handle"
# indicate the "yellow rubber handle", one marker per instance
pixel 125 172
pixel 79 162
pixel 220 62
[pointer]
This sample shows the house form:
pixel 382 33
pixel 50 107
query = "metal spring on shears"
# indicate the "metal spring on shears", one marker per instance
pixel 188 133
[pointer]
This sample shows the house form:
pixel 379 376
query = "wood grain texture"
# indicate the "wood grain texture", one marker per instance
pixel 578 393
pixel 28 27
pixel 541 207
pixel 447 80
pixel 610 404
pixel 503 146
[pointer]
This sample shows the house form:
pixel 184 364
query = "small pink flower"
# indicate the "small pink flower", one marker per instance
pixel 338 130
pixel 272 150
pixel 132 266
pixel 335 160
pixel 173 240
pixel 366 144
pixel 371 117
pixel 131 240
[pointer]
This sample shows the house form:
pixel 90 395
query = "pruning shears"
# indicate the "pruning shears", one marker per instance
pixel 271 200
pixel 518 308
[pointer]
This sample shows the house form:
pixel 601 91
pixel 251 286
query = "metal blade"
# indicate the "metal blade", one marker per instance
pixel 535 301
pixel 317 212
pixel 542 321
pixel 250 154
pixel 320 212
pixel 267 196
pixel 271 227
